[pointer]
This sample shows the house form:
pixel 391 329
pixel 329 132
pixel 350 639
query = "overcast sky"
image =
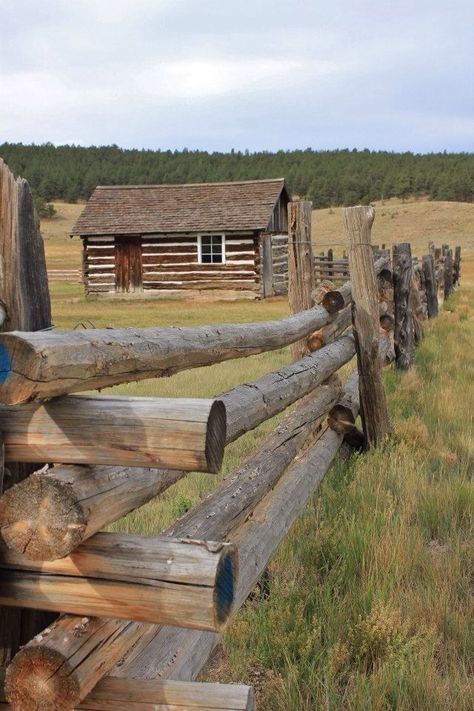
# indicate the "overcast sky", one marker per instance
pixel 256 74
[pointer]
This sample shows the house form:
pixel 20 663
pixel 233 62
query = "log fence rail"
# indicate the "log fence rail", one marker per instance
pixel 135 608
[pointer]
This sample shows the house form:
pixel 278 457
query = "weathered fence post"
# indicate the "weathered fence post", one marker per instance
pixel 25 306
pixel 404 334
pixel 457 265
pixel 300 264
pixel 365 319
pixel 448 273
pixel 430 285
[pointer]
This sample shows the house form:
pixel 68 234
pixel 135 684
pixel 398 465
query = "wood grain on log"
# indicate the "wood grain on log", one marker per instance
pixel 404 334
pixel 365 318
pixel 43 365
pixel 79 501
pixel 300 265
pixel 176 433
pixel 186 583
pixel 336 327
pixel 67 675
pixel 181 654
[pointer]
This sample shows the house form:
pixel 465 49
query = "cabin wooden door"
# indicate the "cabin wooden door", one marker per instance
pixel 128 264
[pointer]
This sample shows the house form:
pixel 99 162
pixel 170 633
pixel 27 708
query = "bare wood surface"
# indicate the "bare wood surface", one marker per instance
pixel 336 327
pixel 151 695
pixel 430 285
pixel 252 403
pixel 59 667
pixel 24 305
pixel 404 330
pixel 165 581
pixel 300 264
pixel 52 512
pixel 38 366
pixel 365 318
pixel 174 433
pixel 220 512
pixel 181 654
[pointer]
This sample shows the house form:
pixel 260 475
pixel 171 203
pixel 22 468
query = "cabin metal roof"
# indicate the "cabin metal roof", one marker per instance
pixel 193 207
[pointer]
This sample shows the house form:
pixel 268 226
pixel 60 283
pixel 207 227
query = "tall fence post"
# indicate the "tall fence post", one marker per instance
pixel 448 273
pixel 457 265
pixel 404 334
pixel 300 264
pixel 25 306
pixel 365 319
pixel 430 285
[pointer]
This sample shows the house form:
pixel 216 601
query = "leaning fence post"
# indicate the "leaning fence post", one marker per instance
pixel 365 319
pixel 300 264
pixel 404 334
pixel 430 285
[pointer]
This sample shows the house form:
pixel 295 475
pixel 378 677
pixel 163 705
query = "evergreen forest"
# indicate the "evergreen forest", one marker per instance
pixel 328 178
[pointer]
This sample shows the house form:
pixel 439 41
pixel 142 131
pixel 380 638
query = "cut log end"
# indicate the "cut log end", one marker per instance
pixel 216 436
pixel 333 301
pixel 224 591
pixel 41 518
pixel 40 673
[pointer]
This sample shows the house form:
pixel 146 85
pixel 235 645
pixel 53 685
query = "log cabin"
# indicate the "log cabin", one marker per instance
pixel 147 240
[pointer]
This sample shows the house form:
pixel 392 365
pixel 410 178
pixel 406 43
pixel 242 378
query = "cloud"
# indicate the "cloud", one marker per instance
pixel 210 74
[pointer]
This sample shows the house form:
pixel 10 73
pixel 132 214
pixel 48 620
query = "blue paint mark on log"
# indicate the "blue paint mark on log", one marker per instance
pixel 225 587
pixel 5 363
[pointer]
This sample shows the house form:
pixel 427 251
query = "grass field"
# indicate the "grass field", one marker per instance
pixel 372 592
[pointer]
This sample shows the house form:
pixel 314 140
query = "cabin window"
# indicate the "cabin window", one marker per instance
pixel 211 249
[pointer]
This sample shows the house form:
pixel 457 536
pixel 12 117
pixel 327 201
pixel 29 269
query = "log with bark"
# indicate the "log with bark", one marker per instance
pixel 143 578
pixel 39 366
pixel 66 670
pixel 52 512
pixel 448 274
pixel 176 433
pixel 404 334
pixel 430 285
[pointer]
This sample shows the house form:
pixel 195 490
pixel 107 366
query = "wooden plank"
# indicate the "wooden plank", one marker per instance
pixel 82 500
pixel 300 264
pixel 44 365
pixel 172 433
pixel 68 667
pixel 186 583
pixel 404 334
pixel 365 318
pixel 24 296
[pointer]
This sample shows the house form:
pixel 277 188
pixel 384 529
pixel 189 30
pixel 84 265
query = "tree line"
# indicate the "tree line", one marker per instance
pixel 328 178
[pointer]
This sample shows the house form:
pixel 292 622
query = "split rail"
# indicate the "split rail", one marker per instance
pixel 140 615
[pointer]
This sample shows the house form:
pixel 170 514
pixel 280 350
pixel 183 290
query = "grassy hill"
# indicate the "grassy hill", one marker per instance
pixel 415 221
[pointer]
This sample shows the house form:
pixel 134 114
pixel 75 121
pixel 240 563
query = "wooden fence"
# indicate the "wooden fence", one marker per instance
pixel 142 614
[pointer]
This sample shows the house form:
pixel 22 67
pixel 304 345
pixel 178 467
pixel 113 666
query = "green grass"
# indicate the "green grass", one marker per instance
pixel 371 603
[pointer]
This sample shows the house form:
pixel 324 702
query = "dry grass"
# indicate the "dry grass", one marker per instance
pixel 371 603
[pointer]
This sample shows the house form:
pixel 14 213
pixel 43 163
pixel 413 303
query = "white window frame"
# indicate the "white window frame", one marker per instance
pixel 199 245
